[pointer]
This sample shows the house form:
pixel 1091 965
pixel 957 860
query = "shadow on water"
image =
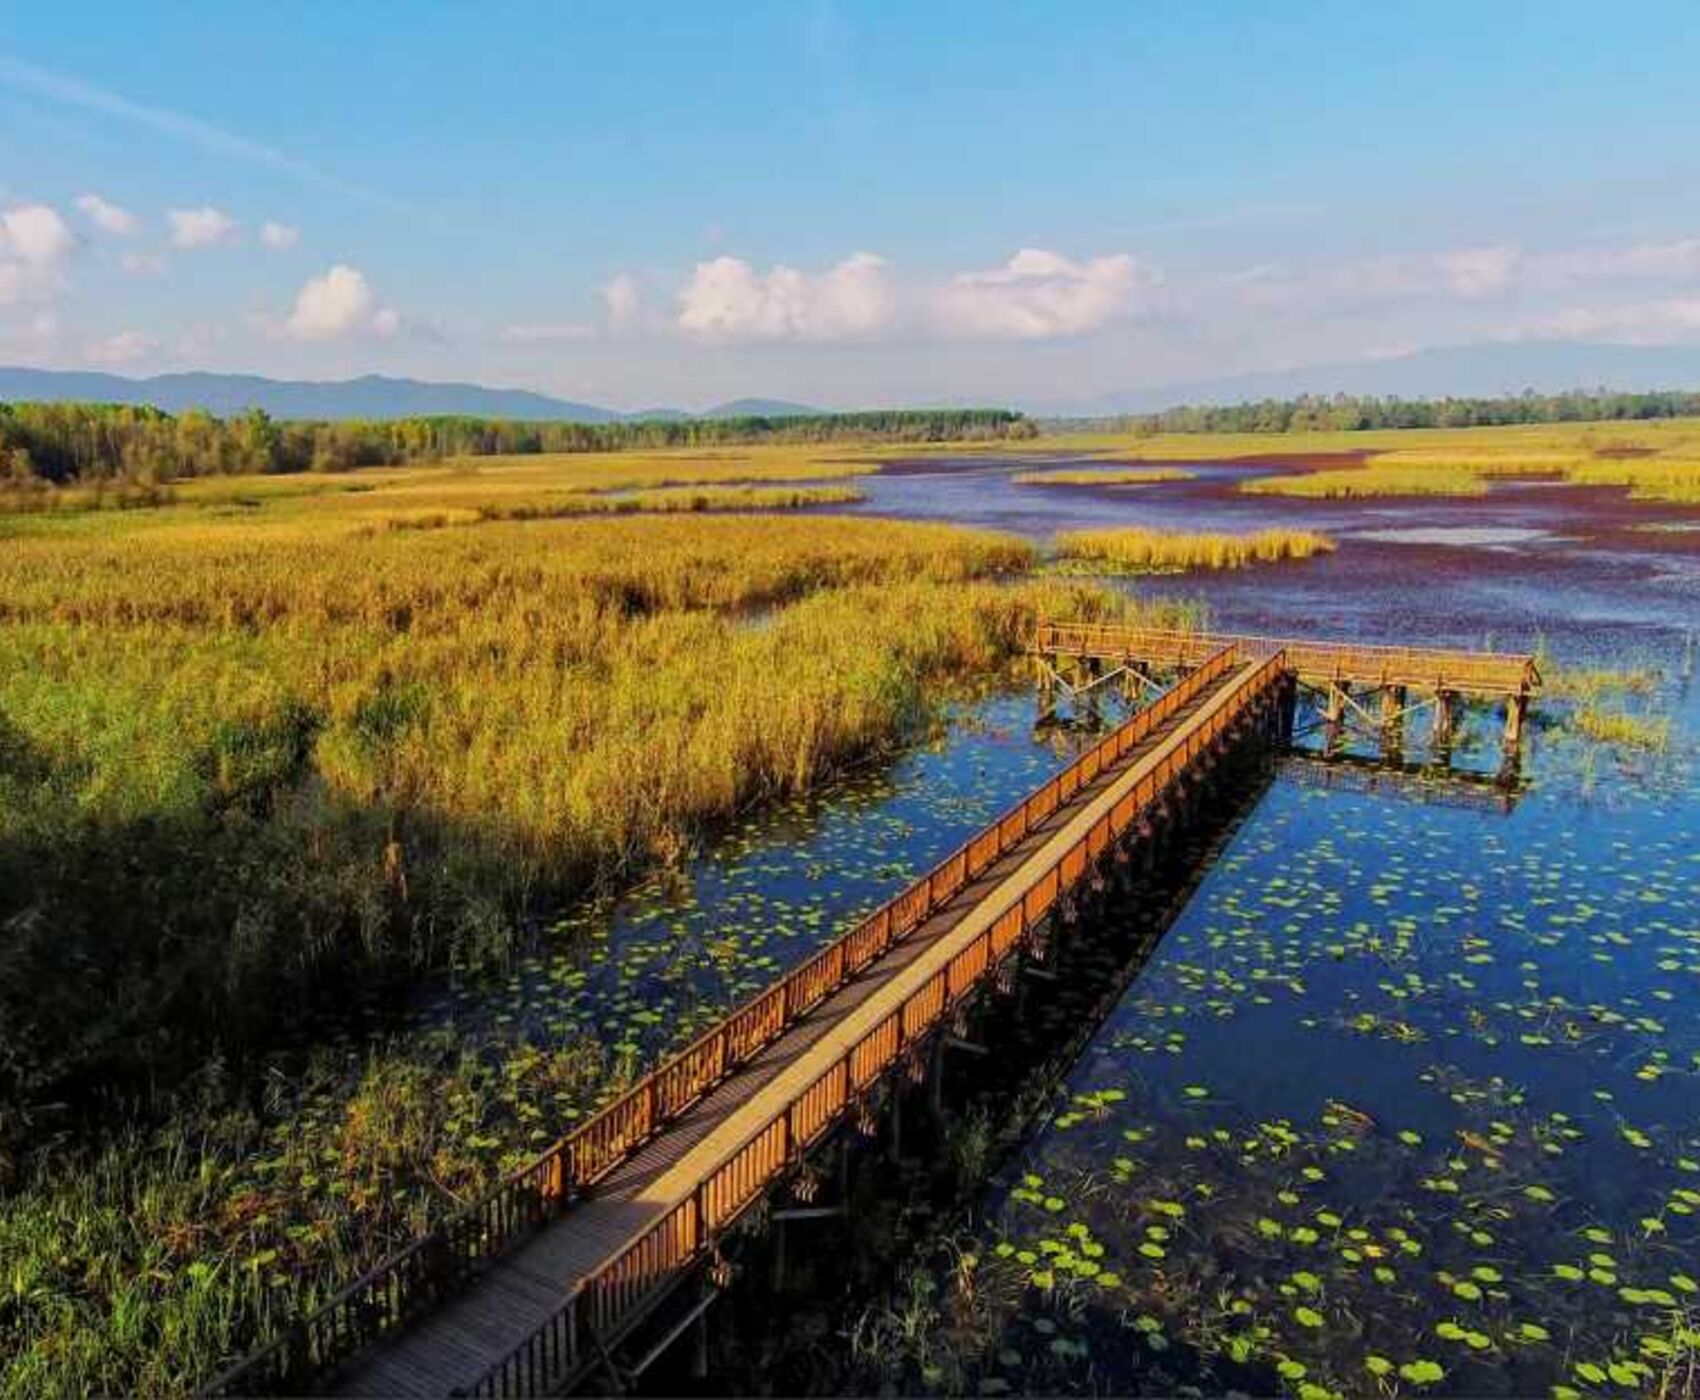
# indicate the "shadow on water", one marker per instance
pixel 807 1312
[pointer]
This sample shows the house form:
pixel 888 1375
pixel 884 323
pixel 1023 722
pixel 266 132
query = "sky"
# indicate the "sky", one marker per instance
pixel 847 204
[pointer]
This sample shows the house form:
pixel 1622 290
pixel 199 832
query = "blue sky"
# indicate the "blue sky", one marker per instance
pixel 842 203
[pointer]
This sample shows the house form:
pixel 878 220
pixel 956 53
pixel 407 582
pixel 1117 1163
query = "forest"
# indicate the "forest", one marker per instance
pixel 81 443
pixel 1350 413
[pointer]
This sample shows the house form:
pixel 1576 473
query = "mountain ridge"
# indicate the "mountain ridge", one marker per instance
pixel 369 396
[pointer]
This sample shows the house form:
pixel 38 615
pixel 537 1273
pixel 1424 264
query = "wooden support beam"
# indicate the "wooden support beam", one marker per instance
pixel 1516 709
pixel 656 1352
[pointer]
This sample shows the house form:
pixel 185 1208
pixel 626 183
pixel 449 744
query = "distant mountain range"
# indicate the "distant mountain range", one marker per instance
pixel 1487 370
pixel 1461 371
pixel 371 396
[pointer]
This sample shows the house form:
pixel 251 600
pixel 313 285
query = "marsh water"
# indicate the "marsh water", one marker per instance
pixel 1409 1095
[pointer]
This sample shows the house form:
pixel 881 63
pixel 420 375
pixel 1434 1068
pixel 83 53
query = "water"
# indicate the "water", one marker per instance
pixel 642 974
pixel 1409 1096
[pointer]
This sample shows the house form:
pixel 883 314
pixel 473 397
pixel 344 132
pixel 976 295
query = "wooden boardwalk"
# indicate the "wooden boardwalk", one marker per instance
pixel 1375 688
pixel 524 1290
pixel 528 1289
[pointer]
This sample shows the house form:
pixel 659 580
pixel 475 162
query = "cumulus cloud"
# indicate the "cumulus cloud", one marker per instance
pixel 623 301
pixel 106 216
pixel 1038 295
pixel 339 304
pixel 35 246
pixel 200 228
pixel 729 300
pixel 122 349
pixel 279 237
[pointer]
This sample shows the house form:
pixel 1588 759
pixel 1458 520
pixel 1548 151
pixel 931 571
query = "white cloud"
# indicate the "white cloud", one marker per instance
pixel 106 216
pixel 142 264
pixel 1038 295
pixel 623 300
pixel 1474 272
pixel 122 349
pixel 547 332
pixel 279 237
pixel 728 300
pixel 1640 323
pixel 200 228
pixel 338 304
pixel 1677 261
pixel 35 246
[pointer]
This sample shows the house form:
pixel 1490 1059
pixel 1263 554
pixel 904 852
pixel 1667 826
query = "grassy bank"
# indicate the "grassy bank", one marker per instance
pixel 545 483
pixel 1156 551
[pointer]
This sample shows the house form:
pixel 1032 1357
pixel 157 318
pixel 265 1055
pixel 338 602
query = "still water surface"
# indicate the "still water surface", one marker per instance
pixel 1409 1097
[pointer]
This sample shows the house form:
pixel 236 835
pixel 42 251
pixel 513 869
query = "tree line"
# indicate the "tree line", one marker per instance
pixel 1354 413
pixel 72 443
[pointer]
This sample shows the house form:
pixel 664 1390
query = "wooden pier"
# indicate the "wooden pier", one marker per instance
pixel 535 1286
pixel 1376 688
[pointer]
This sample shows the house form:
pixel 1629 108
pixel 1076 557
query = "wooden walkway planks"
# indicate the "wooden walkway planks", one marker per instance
pixel 454 1346
pixel 1421 668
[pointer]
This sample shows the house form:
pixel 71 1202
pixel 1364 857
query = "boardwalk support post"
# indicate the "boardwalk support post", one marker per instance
pixel 1393 720
pixel 1516 710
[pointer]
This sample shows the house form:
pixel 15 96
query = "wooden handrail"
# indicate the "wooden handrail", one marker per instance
pixel 774 1146
pixel 396 1289
pixel 1515 671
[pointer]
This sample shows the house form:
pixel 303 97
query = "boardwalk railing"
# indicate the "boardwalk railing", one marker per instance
pixel 1431 668
pixel 412 1281
pixel 610 1297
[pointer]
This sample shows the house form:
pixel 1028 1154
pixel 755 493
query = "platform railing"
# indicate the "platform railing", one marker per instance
pixel 606 1300
pixel 413 1280
pixel 1360 663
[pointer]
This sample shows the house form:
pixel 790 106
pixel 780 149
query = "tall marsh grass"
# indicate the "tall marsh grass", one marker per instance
pixel 258 763
pixel 1155 551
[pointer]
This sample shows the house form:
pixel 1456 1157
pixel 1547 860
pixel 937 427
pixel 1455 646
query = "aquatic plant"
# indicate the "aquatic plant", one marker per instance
pixel 1155 551
pixel 1622 727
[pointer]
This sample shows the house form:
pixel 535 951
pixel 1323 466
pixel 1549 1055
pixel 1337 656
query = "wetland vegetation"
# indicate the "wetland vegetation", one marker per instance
pixel 1158 551
pixel 267 758
pixel 323 796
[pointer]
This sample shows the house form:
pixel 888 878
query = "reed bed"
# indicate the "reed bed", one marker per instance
pixel 1373 479
pixel 1155 551
pixel 1649 478
pixel 256 763
pixel 463 482
pixel 1676 480
pixel 1109 476
pixel 661 500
